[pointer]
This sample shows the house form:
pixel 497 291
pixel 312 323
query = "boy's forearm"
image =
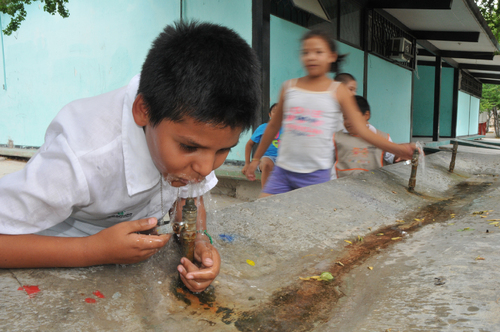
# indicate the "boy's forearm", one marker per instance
pixel 32 251
pixel 248 151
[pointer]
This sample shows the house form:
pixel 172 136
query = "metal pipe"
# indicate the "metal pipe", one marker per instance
pixel 188 229
pixel 413 176
pixel 453 156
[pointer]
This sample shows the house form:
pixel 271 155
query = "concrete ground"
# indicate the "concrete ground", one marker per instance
pixel 401 261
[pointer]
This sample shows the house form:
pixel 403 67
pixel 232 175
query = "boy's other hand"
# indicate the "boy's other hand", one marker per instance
pixel 244 169
pixel 197 279
pixel 120 244
pixel 250 172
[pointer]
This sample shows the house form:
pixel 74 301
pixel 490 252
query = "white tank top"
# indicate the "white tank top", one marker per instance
pixel 310 118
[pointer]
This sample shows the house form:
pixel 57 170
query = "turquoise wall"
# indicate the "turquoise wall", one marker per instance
pixel 446 105
pixel 235 14
pixel 285 54
pixel 353 64
pixel 463 114
pixel 474 116
pixel 389 95
pixel 468 114
pixel 423 101
pixel 51 61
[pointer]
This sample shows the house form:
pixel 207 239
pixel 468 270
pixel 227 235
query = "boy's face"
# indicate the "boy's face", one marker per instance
pixel 272 112
pixel 352 85
pixel 348 126
pixel 187 151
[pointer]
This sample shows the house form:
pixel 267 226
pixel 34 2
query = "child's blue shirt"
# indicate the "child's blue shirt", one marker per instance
pixel 272 151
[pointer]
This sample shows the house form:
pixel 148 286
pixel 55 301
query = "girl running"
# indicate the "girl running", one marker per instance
pixel 310 110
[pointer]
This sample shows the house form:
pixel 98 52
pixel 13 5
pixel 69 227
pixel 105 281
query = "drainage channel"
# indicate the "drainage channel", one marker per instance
pixel 302 306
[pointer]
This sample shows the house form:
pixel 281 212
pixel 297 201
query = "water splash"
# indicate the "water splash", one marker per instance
pixel 421 159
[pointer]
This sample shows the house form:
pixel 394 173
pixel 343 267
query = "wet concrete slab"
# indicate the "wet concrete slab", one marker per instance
pixel 343 227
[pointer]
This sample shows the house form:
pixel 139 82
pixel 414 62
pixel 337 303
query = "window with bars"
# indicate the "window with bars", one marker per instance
pixel 469 84
pixel 380 34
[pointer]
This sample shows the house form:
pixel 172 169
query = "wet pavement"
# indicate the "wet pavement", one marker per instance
pixel 423 261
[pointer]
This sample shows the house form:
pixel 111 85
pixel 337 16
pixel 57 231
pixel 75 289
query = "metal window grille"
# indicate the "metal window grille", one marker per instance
pixel 469 84
pixel 380 33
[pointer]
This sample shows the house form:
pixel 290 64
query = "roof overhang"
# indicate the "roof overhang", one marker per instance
pixel 451 29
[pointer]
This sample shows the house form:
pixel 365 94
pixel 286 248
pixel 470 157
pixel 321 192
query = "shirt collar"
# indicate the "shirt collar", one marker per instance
pixel 140 172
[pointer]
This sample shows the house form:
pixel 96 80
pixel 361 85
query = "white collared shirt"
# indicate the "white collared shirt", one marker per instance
pixel 93 171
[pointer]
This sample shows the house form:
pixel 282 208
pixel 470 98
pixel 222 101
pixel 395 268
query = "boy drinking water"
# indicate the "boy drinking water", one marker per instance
pixel 114 164
pixel 355 155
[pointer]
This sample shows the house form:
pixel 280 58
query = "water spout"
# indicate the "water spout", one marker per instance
pixel 453 156
pixel 186 229
pixel 413 176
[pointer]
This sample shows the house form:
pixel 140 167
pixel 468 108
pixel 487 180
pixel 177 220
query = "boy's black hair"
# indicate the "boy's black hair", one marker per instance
pixel 328 38
pixel 204 71
pixel 272 106
pixel 344 78
pixel 363 104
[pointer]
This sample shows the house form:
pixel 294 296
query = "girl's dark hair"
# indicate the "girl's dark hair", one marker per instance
pixel 328 38
pixel 204 71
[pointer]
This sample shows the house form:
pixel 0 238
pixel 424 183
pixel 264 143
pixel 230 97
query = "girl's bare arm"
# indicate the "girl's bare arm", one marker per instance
pixel 352 112
pixel 273 127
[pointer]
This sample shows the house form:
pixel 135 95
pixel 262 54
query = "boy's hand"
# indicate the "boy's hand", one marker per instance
pixel 244 169
pixel 196 278
pixel 250 172
pixel 120 244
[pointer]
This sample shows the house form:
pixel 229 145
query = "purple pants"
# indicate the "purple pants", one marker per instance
pixel 282 181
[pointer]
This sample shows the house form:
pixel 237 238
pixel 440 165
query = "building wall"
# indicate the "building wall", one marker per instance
pixel 285 61
pixel 423 101
pixel 51 61
pixel 353 64
pixel 236 15
pixel 468 114
pixel 446 105
pixel 389 95
pixel 463 113
pixel 474 116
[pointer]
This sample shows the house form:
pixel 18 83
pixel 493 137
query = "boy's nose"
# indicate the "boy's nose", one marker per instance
pixel 204 164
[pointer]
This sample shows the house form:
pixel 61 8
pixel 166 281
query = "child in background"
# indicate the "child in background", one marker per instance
pixel 113 165
pixel 268 160
pixel 310 109
pixel 352 85
pixel 349 81
pixel 353 154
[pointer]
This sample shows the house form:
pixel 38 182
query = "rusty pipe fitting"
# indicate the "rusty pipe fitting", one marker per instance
pixel 188 228
pixel 413 176
pixel 453 156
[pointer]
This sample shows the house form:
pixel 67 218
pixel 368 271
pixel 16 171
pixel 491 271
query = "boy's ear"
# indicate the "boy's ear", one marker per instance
pixel 367 115
pixel 140 111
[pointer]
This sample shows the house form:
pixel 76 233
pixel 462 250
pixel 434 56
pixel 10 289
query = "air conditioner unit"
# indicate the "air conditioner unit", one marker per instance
pixel 401 50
